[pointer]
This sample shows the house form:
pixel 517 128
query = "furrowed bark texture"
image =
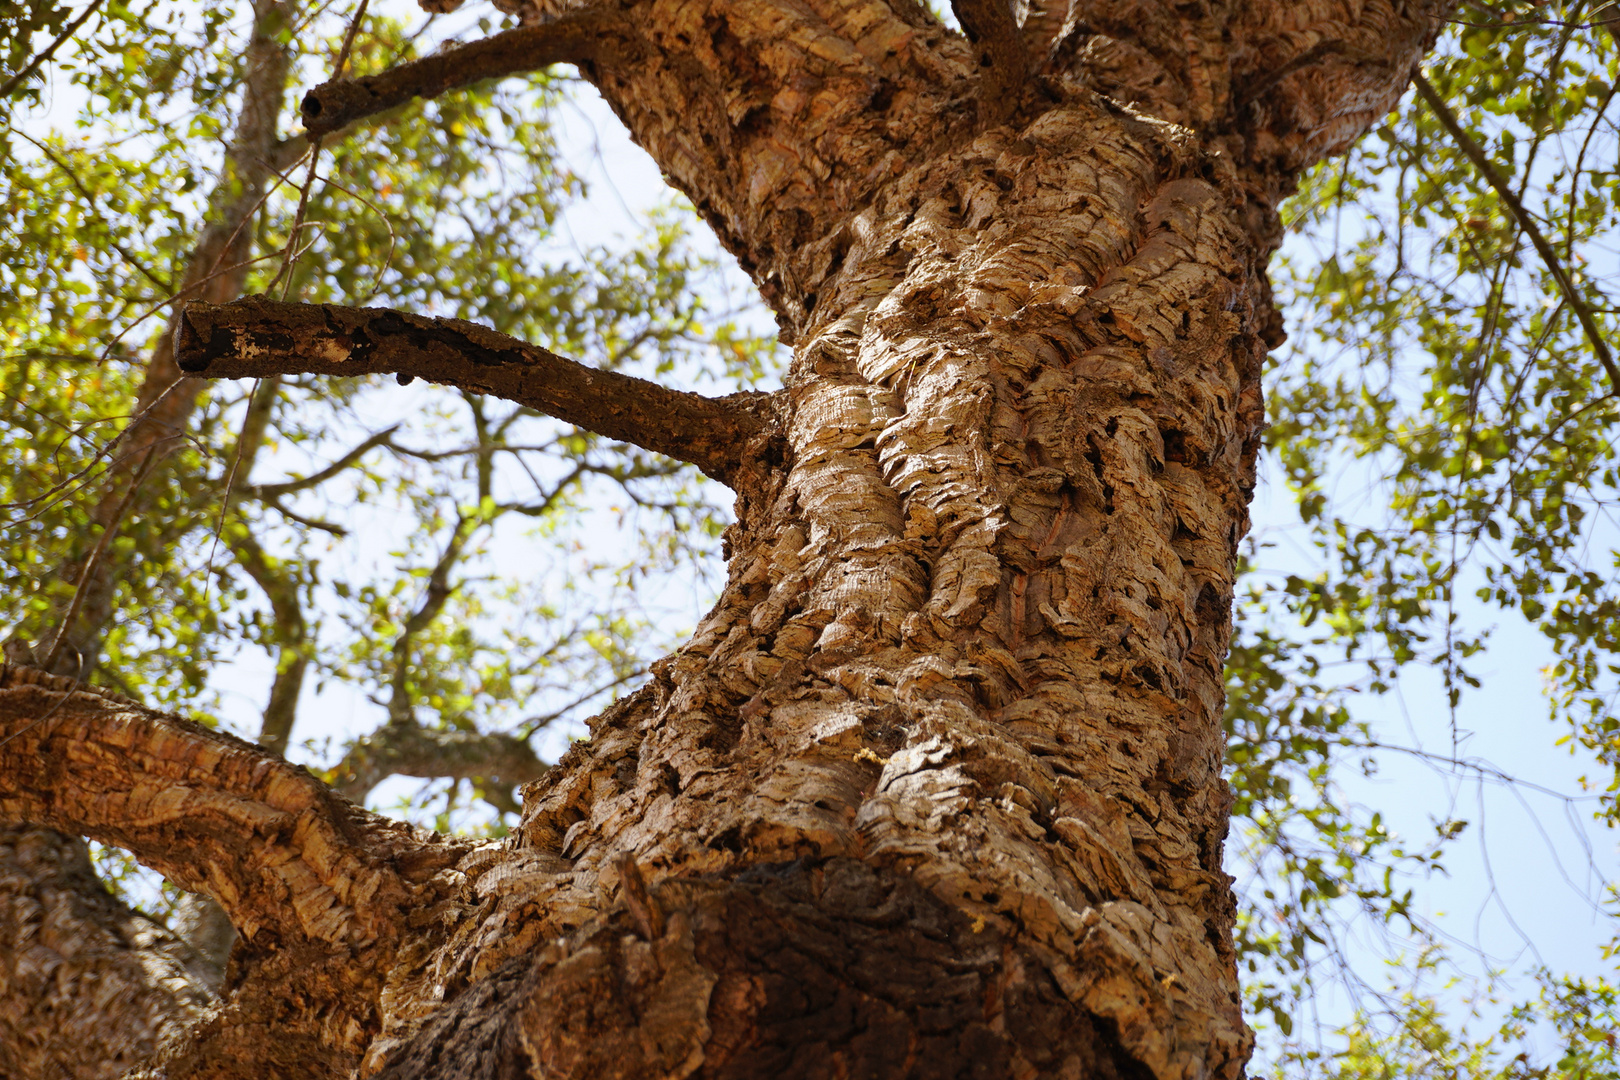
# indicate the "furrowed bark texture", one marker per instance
pixel 323 894
pixel 92 988
pixel 935 788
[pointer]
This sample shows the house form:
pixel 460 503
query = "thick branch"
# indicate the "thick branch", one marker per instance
pixel 89 987
pixel 212 813
pixel 1549 257
pixel 254 338
pixel 573 38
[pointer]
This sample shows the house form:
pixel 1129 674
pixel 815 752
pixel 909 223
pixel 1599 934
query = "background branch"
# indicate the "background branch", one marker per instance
pixel 1549 257
pixel 992 26
pixel 500 760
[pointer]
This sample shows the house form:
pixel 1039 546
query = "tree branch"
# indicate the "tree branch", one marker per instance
pixel 991 25
pixel 292 642
pixel 254 338
pixel 271 492
pixel 214 814
pixel 1549 257
pixel 434 597
pixel 50 50
pixel 412 750
pixel 572 38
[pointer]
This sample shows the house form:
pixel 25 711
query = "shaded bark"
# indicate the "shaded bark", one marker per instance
pixel 323 893
pixel 92 988
pixel 935 788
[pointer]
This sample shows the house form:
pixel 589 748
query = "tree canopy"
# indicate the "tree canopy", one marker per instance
pixel 1451 299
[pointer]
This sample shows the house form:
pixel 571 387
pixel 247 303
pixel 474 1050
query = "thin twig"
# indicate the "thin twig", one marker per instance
pixel 1499 184
pixel 293 251
pixel 71 175
pixel 33 65
pixel 269 492
pixel 388 260
pixel 82 590
pixel 106 352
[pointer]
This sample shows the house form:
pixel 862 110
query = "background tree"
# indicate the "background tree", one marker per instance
pixel 408 651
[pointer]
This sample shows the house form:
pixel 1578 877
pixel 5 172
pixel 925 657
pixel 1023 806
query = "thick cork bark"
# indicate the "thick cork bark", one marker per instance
pixel 935 788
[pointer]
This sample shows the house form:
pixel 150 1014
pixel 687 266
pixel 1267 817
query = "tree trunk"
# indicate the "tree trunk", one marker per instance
pixel 935 788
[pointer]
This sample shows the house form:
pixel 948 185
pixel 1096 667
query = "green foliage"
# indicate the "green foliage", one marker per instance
pixel 1578 1018
pixel 1446 430
pixel 473 609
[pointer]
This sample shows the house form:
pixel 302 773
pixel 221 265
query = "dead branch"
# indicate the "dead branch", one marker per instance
pixel 573 38
pixel 254 338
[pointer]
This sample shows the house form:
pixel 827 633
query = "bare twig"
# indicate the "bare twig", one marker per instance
pixel 270 492
pixel 293 250
pixel 82 589
pixel 50 155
